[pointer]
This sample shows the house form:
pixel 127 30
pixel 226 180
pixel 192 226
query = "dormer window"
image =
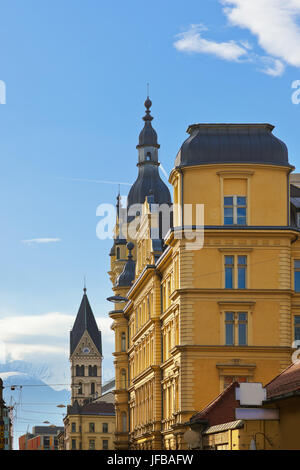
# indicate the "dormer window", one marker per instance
pixel 148 157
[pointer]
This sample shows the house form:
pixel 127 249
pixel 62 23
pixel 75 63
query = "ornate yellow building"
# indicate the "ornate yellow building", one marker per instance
pixel 190 319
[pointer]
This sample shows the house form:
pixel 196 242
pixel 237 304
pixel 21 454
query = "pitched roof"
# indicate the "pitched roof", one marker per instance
pixel 221 409
pixel 85 321
pixel 93 408
pixel 287 382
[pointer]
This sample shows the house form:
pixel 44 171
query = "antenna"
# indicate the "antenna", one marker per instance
pixel 84 283
pixel 148 90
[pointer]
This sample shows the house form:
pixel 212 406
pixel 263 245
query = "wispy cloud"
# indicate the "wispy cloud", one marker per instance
pixel 274 23
pixel 192 41
pixel 41 240
pixel 85 180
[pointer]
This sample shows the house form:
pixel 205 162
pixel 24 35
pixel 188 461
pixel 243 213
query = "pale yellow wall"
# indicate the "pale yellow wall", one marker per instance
pixel 85 435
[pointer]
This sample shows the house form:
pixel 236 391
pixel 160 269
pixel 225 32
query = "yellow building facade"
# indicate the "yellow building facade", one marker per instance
pixel 198 315
pixel 90 427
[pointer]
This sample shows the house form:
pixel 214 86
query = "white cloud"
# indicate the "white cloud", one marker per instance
pixel 44 339
pixel 192 41
pixel 274 23
pixel 41 240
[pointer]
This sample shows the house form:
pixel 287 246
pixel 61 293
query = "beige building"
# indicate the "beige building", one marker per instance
pixel 90 426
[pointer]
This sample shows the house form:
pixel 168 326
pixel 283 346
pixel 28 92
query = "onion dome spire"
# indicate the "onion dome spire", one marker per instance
pixel 148 136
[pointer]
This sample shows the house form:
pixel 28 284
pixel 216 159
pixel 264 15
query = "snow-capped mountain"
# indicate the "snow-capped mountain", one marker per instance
pixel 33 400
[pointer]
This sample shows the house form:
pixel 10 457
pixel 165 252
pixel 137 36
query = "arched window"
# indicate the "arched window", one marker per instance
pixel 124 421
pixel 123 342
pixel 92 371
pixel 118 253
pixel 79 371
pixel 80 388
pixel 92 388
pixel 148 156
pixel 123 378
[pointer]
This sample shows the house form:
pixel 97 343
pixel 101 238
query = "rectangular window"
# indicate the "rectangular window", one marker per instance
pixel 242 328
pixel 73 427
pixel 235 272
pixel 236 328
pixel 91 444
pixel 229 268
pixel 297 275
pixel 92 427
pixel 73 444
pixel 296 328
pixel 229 379
pixel 105 427
pixel 235 210
pixel 105 444
pixel 229 328
pixel 242 267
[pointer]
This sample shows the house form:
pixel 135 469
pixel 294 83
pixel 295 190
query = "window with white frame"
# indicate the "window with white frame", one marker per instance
pixel 235 210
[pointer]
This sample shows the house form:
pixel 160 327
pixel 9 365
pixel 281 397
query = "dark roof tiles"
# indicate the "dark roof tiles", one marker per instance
pixel 285 383
pixel 85 321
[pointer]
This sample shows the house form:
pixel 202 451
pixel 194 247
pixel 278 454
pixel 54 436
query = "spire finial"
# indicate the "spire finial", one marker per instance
pixel 84 285
pixel 130 247
pixel 148 104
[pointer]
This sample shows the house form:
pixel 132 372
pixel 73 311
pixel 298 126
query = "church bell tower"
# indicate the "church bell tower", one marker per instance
pixel 85 355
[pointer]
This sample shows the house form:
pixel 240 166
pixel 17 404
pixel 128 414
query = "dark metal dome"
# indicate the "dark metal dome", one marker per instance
pixel 232 143
pixel 127 276
pixel 148 183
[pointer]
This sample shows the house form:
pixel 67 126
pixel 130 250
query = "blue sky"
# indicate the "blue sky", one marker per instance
pixel 75 75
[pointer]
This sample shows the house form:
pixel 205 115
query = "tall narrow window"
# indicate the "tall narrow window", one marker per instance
pixel 242 328
pixel 123 378
pixel 229 328
pixel 297 275
pixel 297 328
pixel 73 444
pixel 235 210
pixel 80 371
pixel 118 253
pixel 80 388
pixel 92 427
pixel 236 328
pixel 91 444
pixel 73 427
pixel 123 342
pixel 105 428
pixel 105 444
pixel 242 268
pixel 92 388
pixel 124 422
pixel 229 268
